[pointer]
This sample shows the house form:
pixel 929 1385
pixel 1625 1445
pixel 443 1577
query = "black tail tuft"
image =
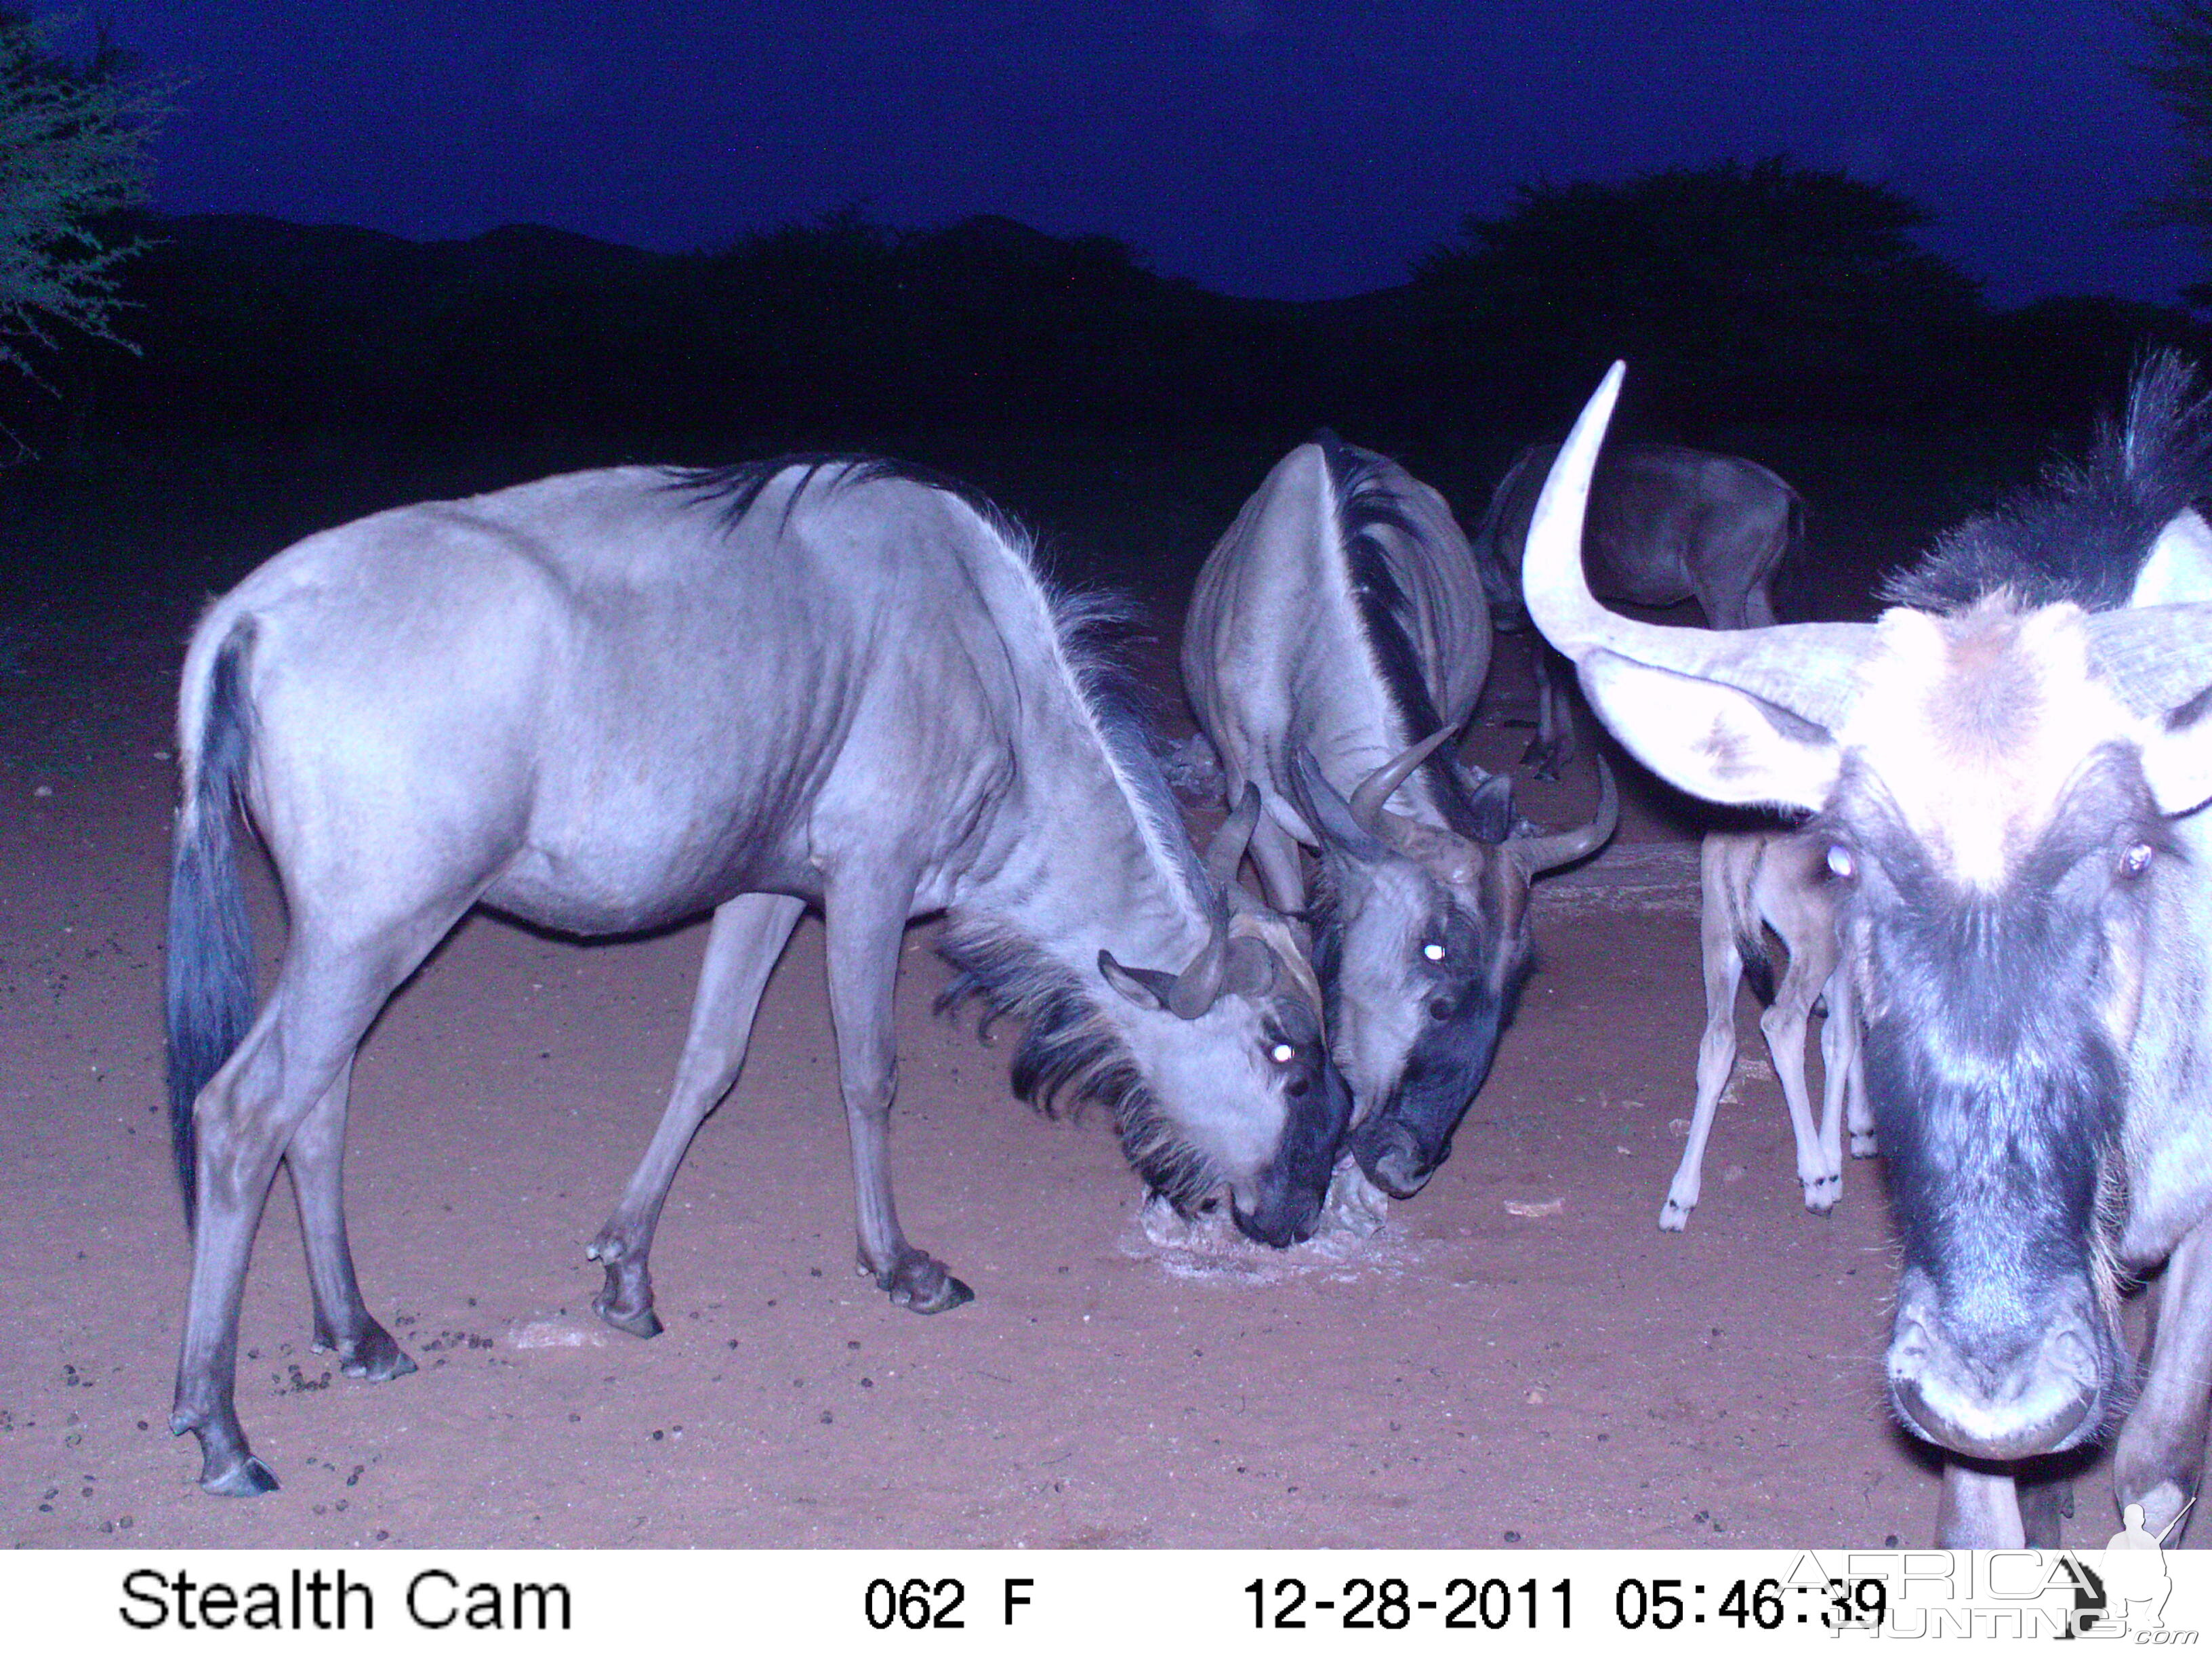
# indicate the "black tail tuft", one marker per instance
pixel 1758 966
pixel 210 950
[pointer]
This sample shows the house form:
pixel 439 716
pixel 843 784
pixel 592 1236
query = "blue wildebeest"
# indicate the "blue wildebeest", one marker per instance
pixel 2009 768
pixel 605 701
pixel 1665 525
pixel 1752 881
pixel 1337 640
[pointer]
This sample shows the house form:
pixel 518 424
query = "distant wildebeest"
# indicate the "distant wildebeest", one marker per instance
pixel 1336 642
pixel 609 701
pixel 2009 768
pixel 1752 881
pixel 1666 524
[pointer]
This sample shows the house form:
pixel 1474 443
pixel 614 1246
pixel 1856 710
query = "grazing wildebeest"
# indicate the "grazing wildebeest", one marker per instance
pixel 2009 768
pixel 1753 880
pixel 1336 642
pixel 1665 523
pixel 605 701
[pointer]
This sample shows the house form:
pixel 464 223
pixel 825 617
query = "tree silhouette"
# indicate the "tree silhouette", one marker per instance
pixel 1729 285
pixel 73 154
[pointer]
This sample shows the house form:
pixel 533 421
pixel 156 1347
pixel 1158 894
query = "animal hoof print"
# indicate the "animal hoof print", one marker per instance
pixel 248 1479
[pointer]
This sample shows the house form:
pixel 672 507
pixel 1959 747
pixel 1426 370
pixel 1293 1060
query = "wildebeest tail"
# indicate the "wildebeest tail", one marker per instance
pixel 210 948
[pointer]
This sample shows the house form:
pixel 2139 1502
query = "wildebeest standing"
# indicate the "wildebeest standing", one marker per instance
pixel 1336 642
pixel 608 701
pixel 1751 881
pixel 2009 770
pixel 1665 525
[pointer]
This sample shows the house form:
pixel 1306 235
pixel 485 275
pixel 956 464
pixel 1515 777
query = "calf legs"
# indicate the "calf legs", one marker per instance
pixel 743 946
pixel 1724 972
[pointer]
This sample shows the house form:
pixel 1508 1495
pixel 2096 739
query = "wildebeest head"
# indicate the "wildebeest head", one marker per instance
pixel 1996 783
pixel 1423 946
pixel 1242 1022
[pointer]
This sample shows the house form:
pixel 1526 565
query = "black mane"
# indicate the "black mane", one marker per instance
pixel 2082 532
pixel 734 490
pixel 1365 504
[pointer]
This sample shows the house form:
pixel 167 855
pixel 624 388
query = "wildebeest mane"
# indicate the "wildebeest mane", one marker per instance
pixel 733 490
pixel 2083 530
pixel 1365 506
pixel 1070 1053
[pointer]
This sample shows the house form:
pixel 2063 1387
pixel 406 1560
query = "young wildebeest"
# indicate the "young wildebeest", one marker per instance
pixel 1665 525
pixel 1752 881
pixel 609 701
pixel 2008 774
pixel 1336 642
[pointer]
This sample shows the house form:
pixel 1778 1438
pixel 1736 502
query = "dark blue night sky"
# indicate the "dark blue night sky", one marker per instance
pixel 1291 148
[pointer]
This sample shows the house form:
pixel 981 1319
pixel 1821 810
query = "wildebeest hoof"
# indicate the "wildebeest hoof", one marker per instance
pixel 374 1356
pixel 1823 1194
pixel 921 1283
pixel 247 1477
pixel 625 1301
pixel 1865 1145
pixel 1674 1217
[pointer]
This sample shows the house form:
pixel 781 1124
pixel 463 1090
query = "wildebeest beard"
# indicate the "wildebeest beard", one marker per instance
pixel 1997 1093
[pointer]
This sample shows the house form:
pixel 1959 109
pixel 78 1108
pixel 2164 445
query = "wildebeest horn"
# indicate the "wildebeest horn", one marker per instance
pixel 2157 657
pixel 1808 668
pixel 1537 853
pixel 1327 813
pixel 1227 851
pixel 1368 800
pixel 1187 994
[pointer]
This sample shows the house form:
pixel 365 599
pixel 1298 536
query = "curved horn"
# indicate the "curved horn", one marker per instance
pixel 1327 814
pixel 1808 668
pixel 1227 851
pixel 1198 988
pixel 1537 853
pixel 1367 801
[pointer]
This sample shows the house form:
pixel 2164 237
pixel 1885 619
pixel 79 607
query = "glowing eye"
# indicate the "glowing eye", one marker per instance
pixel 2136 860
pixel 1433 952
pixel 1841 864
pixel 1283 1053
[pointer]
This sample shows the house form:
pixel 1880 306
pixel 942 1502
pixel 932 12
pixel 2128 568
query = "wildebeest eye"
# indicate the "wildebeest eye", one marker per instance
pixel 1841 864
pixel 2136 860
pixel 1433 952
pixel 1282 1054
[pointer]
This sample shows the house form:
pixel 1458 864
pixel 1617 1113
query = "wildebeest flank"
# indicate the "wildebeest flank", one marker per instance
pixel 604 702
pixel 1665 525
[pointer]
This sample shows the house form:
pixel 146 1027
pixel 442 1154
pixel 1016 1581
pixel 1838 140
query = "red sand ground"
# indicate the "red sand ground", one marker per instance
pixel 1469 1378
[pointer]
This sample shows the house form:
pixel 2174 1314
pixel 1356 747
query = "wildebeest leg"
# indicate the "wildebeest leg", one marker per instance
pixel 2044 1506
pixel 1554 746
pixel 866 919
pixel 2160 1456
pixel 743 947
pixel 1724 972
pixel 1784 1026
pixel 1980 1511
pixel 342 1325
pixel 1757 609
pixel 245 1119
pixel 1843 1061
pixel 1276 856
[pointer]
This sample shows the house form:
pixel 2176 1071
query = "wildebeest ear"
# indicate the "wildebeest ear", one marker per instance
pixel 1148 987
pixel 1713 740
pixel 1493 801
pixel 2178 570
pixel 2177 757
